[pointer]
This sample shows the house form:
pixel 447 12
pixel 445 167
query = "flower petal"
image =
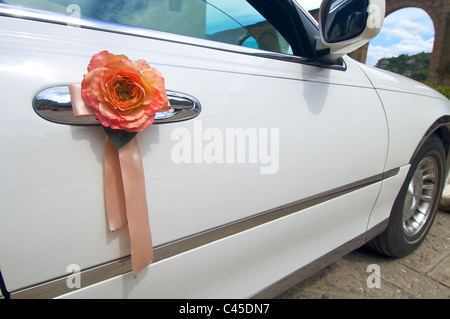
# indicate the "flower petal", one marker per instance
pixel 103 58
pixel 141 65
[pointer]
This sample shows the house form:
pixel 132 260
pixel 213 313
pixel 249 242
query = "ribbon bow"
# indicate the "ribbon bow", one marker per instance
pixel 125 194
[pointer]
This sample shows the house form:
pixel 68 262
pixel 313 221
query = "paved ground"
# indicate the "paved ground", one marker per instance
pixel 425 274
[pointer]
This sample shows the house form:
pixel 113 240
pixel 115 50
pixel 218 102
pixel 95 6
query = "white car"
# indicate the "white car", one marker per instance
pixel 279 155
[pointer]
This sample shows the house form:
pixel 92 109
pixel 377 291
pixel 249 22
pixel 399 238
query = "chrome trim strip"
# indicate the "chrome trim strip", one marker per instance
pixel 391 173
pixel 54 105
pixel 121 266
pixel 100 25
pixel 90 276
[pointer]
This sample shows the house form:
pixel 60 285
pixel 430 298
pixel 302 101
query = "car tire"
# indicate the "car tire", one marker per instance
pixel 416 205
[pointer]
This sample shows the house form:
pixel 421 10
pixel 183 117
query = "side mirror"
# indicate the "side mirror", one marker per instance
pixel 346 25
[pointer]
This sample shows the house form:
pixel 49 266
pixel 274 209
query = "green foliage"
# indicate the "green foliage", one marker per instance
pixel 414 66
pixel 441 89
pixel 119 137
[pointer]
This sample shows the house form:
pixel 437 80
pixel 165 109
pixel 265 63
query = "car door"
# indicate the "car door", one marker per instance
pixel 274 130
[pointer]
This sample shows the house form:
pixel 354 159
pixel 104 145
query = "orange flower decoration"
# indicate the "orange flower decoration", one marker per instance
pixel 123 94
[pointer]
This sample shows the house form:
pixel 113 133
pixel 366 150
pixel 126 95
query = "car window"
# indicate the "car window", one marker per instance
pixel 229 21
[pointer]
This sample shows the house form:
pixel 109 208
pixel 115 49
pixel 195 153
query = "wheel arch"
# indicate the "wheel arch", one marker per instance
pixel 440 128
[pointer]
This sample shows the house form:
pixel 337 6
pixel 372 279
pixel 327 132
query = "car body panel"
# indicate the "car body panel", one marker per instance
pixel 326 128
pixel 71 157
pixel 388 193
pixel 404 101
pixel 389 81
pixel 246 263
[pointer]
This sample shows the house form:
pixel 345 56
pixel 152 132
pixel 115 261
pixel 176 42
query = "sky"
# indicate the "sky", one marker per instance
pixel 407 31
pixel 310 4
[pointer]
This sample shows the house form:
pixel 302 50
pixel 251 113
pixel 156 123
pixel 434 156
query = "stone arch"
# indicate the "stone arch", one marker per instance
pixel 439 12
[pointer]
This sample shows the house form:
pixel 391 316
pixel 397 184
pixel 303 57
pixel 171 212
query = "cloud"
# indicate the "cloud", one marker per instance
pixel 412 14
pixel 410 46
pixel 406 29
pixel 402 35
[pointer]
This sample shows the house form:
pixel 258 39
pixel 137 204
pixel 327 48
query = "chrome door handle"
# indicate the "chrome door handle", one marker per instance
pixel 54 105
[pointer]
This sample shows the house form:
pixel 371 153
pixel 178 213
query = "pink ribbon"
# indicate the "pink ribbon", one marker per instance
pixel 125 195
